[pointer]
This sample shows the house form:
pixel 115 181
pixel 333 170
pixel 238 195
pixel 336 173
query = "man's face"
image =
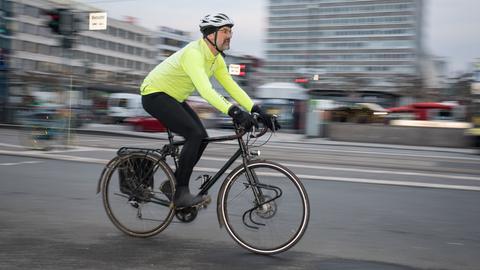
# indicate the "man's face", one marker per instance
pixel 223 38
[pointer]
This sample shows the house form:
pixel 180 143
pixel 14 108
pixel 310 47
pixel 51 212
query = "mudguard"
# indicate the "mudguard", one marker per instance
pixel 105 169
pixel 224 186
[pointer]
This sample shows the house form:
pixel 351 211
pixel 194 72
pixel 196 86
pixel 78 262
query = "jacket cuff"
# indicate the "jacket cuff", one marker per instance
pixel 255 109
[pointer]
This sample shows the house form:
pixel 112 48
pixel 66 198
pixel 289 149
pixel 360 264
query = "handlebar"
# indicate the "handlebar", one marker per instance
pixel 239 132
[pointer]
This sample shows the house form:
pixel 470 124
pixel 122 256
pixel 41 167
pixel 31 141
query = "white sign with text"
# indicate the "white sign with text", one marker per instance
pixel 97 21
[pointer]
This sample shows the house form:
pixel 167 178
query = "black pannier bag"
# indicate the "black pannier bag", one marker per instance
pixel 134 172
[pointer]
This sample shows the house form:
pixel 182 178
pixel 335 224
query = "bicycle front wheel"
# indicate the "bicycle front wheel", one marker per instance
pixel 132 197
pixel 265 208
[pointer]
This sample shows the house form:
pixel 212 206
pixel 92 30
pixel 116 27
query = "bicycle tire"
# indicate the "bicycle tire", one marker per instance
pixel 144 211
pixel 258 227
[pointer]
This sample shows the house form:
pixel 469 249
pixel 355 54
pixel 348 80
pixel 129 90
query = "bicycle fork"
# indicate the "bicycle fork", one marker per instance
pixel 264 205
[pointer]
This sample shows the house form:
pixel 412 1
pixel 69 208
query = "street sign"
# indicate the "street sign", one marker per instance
pixel 234 69
pixel 97 21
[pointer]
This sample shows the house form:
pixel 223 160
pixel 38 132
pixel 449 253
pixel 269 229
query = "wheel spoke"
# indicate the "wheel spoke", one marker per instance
pixel 271 219
pixel 130 192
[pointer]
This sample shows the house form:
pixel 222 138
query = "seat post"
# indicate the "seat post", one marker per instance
pixel 170 136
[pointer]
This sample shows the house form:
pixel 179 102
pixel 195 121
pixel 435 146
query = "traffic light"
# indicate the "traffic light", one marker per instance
pixel 62 21
pixel 67 22
pixel 54 20
pixel 242 70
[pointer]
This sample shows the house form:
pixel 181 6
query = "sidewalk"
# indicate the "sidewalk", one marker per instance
pixel 278 137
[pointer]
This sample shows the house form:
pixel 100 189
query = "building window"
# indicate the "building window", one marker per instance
pixel 102 44
pixel 138 51
pixel 28 64
pixel 121 62
pixel 91 57
pixel 56 51
pixel 29 28
pixel 173 42
pixel 43 49
pixel 101 59
pixel 31 11
pixel 92 42
pixel 18 9
pixel 121 48
pixel 29 47
pixel 79 55
pixel 111 60
pixel 112 31
pixel 112 46
pixel 122 33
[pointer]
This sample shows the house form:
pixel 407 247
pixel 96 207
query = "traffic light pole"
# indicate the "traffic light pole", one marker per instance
pixel 68 86
pixel 64 23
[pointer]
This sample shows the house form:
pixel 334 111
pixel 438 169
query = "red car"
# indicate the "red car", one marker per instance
pixel 146 123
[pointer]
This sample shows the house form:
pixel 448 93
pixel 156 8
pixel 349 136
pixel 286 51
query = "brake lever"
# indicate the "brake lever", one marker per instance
pixel 254 129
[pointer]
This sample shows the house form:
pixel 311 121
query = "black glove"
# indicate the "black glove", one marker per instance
pixel 242 118
pixel 267 118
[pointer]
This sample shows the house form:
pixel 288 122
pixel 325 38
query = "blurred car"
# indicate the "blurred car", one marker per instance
pixel 361 113
pixel 145 123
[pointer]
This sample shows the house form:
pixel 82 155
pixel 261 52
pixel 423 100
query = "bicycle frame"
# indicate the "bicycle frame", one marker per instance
pixel 171 149
pixel 242 151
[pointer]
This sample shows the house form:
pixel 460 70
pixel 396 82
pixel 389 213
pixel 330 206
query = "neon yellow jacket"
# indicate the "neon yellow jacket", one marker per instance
pixel 191 68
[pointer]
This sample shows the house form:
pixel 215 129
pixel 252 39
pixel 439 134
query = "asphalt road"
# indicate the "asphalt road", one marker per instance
pixel 372 208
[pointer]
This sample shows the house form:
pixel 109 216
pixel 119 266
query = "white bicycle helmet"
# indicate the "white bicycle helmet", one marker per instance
pixel 215 21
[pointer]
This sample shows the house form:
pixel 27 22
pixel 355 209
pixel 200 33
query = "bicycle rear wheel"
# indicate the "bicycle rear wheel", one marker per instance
pixel 266 212
pixel 131 195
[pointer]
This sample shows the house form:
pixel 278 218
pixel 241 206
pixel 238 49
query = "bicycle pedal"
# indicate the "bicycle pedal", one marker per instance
pixel 205 203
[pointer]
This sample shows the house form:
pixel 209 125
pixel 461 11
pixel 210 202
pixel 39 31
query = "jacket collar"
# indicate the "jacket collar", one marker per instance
pixel 206 50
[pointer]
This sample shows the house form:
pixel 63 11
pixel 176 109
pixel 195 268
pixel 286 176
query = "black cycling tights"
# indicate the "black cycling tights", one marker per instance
pixel 182 120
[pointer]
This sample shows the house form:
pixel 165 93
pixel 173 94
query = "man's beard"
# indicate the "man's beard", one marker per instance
pixel 226 45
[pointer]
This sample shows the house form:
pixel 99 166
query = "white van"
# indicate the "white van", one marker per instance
pixel 124 105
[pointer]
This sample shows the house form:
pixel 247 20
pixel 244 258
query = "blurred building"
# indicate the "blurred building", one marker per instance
pixel 435 73
pixel 357 50
pixel 112 60
pixel 169 40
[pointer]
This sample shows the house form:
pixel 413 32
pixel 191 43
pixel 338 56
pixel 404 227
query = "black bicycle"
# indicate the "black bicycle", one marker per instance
pixel 262 204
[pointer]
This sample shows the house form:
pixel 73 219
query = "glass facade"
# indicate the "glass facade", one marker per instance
pixel 370 39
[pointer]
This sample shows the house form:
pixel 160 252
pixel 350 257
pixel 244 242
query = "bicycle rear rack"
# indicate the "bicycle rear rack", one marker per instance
pixel 123 151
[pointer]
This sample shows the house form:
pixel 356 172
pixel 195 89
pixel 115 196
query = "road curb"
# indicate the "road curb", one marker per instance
pixel 277 136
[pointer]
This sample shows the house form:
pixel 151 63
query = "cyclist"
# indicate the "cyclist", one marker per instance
pixel 169 84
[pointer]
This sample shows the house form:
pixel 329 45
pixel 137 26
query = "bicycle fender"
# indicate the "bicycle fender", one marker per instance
pixel 105 169
pixel 222 191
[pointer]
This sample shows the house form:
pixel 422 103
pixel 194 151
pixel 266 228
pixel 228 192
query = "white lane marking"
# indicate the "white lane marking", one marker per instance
pixel 20 163
pixel 374 153
pixel 315 167
pixel 301 176
pixel 12 145
pixel 461 177
pixel 388 182
pixel 281 147
pixel 363 181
